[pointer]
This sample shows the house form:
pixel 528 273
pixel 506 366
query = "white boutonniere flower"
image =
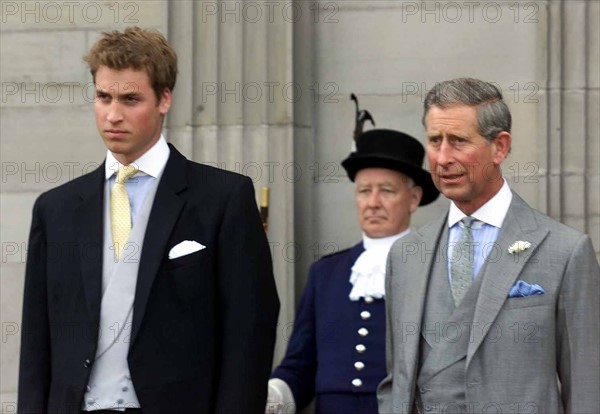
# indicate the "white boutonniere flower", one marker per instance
pixel 519 247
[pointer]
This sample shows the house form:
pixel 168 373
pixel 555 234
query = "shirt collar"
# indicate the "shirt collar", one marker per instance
pixel 151 163
pixel 493 212
pixel 369 242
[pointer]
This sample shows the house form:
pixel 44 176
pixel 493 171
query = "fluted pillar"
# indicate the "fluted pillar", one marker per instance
pixel 232 110
pixel 573 143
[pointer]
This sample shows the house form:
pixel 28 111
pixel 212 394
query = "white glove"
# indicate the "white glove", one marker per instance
pixel 280 399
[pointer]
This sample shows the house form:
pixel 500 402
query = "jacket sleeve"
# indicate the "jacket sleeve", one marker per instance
pixel 298 368
pixel 34 368
pixel 249 305
pixel 578 331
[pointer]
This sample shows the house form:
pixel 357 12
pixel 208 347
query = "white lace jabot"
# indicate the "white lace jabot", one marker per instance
pixel 368 272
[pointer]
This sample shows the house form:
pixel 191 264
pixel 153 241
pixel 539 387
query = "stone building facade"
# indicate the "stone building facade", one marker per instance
pixel 263 89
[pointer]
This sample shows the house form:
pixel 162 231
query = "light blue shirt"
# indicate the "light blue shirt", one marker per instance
pixel 150 166
pixel 485 232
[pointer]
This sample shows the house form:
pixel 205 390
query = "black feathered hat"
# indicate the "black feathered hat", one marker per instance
pixel 394 150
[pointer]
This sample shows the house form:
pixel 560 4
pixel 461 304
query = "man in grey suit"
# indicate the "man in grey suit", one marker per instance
pixel 493 307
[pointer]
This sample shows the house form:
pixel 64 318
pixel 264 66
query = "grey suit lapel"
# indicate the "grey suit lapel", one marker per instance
pixel 414 287
pixel 503 269
pixel 439 304
pixel 445 327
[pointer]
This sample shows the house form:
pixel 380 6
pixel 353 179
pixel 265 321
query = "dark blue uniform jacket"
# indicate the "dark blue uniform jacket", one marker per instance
pixel 322 355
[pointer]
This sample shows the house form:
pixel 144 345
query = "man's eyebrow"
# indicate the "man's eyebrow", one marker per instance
pixel 385 184
pixel 132 94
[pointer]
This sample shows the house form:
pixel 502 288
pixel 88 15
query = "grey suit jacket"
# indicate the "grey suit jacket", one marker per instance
pixel 535 354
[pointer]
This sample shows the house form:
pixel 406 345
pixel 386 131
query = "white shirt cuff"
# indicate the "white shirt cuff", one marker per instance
pixel 280 399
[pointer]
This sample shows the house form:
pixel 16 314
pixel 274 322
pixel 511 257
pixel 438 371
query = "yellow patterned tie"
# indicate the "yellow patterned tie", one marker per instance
pixel 120 210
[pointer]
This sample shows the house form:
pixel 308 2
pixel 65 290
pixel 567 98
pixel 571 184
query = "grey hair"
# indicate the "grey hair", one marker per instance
pixel 493 115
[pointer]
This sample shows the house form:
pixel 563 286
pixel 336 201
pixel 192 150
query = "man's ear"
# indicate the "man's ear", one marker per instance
pixel 501 145
pixel 416 193
pixel 165 101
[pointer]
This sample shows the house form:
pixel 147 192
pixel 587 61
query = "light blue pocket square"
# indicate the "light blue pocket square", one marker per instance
pixel 522 289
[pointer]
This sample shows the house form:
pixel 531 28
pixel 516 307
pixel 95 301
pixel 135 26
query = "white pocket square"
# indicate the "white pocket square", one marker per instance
pixel 184 248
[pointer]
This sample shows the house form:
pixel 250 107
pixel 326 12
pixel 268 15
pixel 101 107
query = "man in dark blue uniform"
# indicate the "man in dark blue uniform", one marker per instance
pixel 337 350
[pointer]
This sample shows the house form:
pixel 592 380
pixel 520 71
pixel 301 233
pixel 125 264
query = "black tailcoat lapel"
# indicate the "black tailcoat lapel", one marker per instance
pixel 165 211
pixel 88 216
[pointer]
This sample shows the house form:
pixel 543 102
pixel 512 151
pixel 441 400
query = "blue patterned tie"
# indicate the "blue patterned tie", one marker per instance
pixel 461 267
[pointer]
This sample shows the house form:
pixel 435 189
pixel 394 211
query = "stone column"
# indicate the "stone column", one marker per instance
pixel 573 144
pixel 234 109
